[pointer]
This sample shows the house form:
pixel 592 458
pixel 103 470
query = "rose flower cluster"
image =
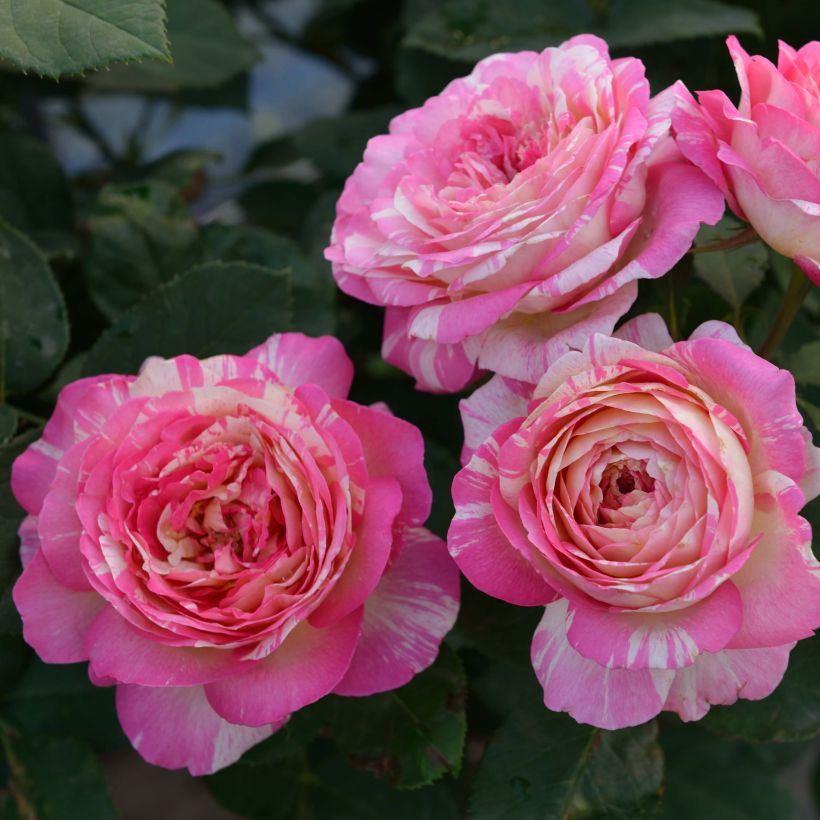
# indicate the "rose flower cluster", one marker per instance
pixel 230 540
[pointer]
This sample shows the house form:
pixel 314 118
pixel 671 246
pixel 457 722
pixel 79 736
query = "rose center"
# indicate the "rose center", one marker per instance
pixel 624 483
pixel 227 516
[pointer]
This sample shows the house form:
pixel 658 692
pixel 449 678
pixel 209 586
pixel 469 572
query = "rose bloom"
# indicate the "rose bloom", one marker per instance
pixel 648 494
pixel 765 154
pixel 229 540
pixel 509 217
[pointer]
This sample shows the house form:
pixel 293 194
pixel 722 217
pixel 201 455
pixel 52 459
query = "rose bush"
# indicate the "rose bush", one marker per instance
pixel 764 154
pixel 648 494
pixel 512 215
pixel 228 540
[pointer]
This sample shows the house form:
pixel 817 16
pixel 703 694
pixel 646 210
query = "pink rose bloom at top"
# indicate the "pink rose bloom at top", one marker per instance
pixel 512 215
pixel 647 493
pixel 765 154
pixel 229 540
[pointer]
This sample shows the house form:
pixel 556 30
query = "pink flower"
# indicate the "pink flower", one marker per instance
pixel 647 493
pixel 765 154
pixel 509 217
pixel 229 540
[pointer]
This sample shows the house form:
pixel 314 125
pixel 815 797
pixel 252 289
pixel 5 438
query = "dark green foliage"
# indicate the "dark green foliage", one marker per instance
pixel 188 315
pixel 163 243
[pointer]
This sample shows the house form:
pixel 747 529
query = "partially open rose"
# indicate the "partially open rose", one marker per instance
pixel 764 154
pixel 512 215
pixel 229 540
pixel 648 494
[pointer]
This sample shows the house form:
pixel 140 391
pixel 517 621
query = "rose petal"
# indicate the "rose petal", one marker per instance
pixel 490 406
pixel 436 368
pixel 669 640
pixel 591 693
pixel 479 547
pixel 405 619
pixel 119 652
pixel 305 667
pixel 724 677
pixel 647 330
pixel 176 728
pixel 780 583
pixel 394 448
pixel 369 557
pixel 297 359
pixel 55 618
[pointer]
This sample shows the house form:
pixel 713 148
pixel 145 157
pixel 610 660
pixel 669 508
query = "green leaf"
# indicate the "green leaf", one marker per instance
pixel 55 778
pixel 56 37
pixel 710 777
pixel 301 729
pixel 211 309
pixel 810 410
pixel 8 808
pixel 60 700
pixel 280 204
pixel 11 513
pixel 141 236
pixel 315 238
pixel 336 144
pixel 791 712
pixel 473 29
pixel 207 50
pixel 34 193
pixel 499 630
pixel 33 323
pixel 179 169
pixel 543 764
pixel 421 73
pixel 320 784
pixel 633 23
pixel 732 274
pixel 413 735
pixel 805 364
pixel 314 291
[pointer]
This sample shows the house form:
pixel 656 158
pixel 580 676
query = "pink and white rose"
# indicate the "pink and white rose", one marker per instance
pixel 647 493
pixel 511 216
pixel 227 541
pixel 764 154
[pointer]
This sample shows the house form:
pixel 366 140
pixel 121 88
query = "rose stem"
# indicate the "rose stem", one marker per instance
pixel 745 237
pixel 797 290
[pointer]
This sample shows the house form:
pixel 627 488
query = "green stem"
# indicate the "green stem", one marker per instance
pixel 674 325
pixel 745 237
pixel 797 290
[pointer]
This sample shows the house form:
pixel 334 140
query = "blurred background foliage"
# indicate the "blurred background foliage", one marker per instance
pixel 168 175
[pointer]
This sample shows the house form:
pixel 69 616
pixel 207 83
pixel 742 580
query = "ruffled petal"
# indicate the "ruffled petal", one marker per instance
pixel 297 359
pixel 56 618
pixel 405 619
pixel 724 677
pixel 176 728
pixel 305 667
pixel 668 640
pixel 479 547
pixel 591 693
pixel 117 651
